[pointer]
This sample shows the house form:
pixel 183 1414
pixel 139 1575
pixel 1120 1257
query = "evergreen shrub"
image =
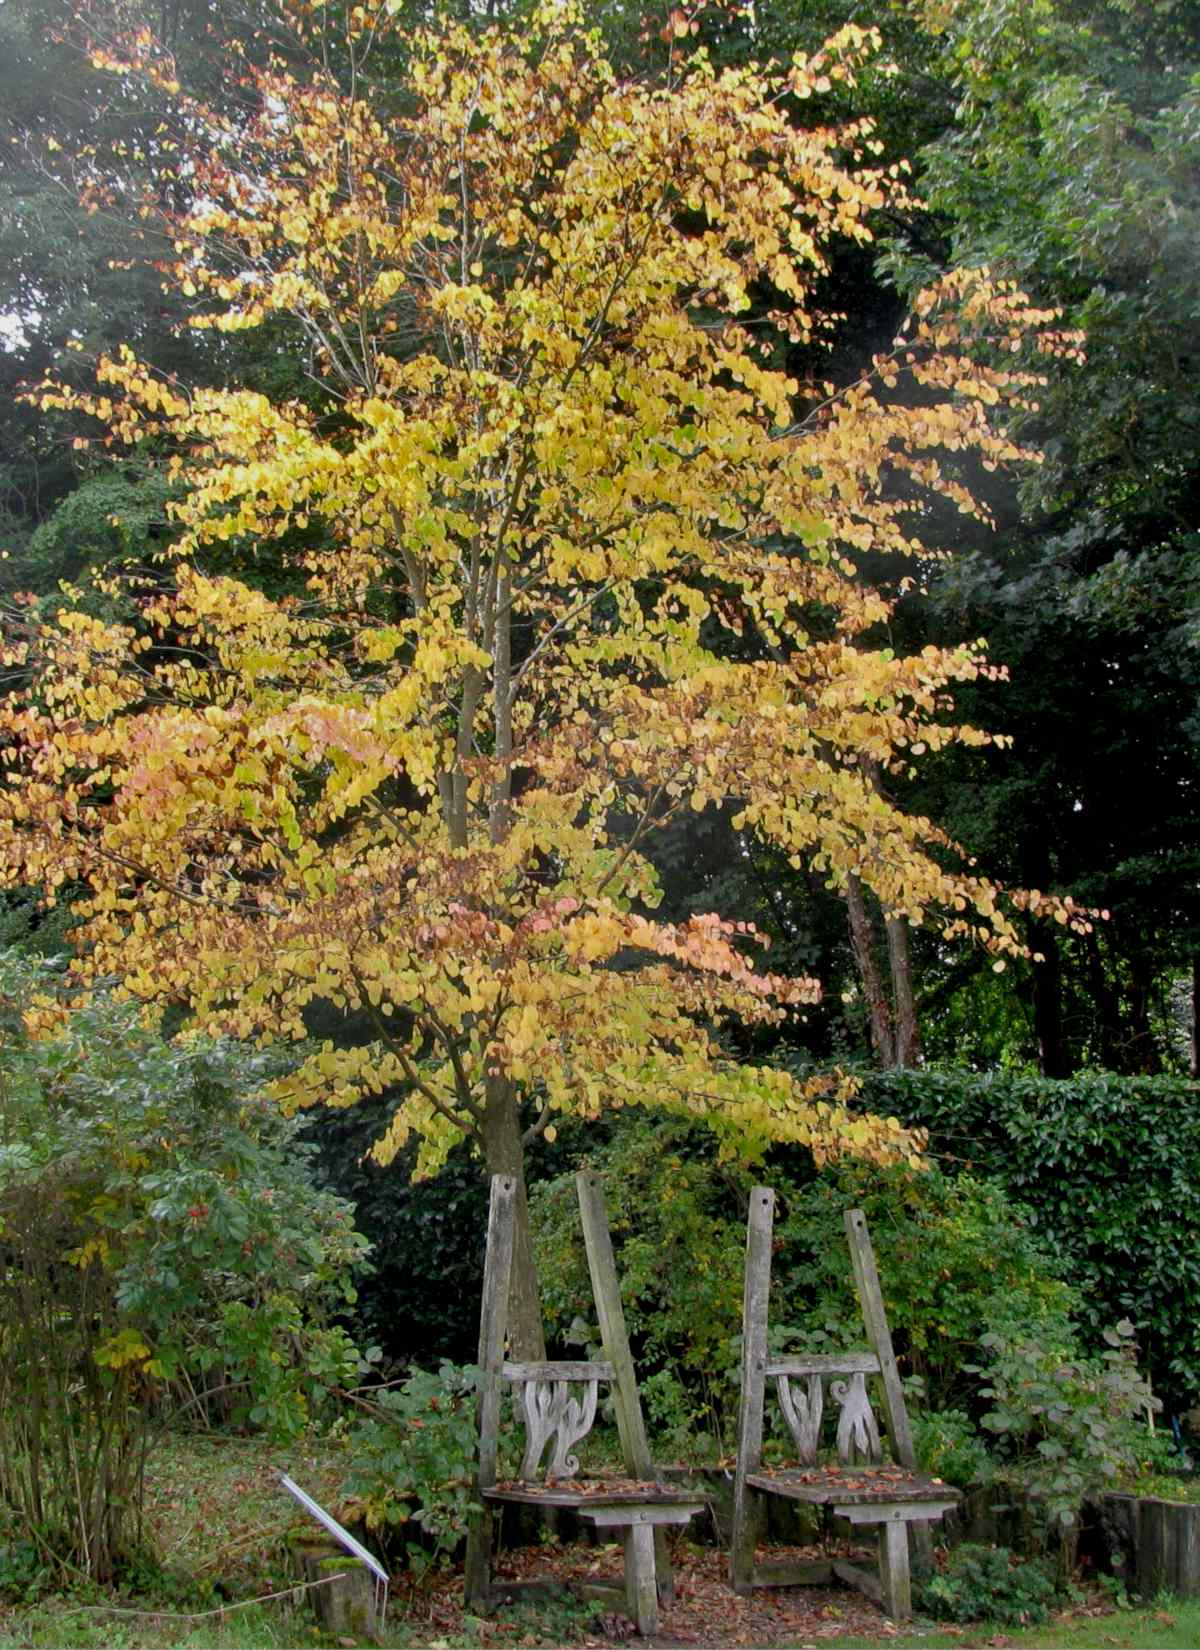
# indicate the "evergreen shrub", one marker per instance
pixel 1108 1171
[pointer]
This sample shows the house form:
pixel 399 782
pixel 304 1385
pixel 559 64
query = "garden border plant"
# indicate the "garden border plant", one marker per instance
pixel 159 1223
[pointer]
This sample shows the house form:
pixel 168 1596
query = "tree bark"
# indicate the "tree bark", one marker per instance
pixel 862 942
pixel 1142 1055
pixel 503 1147
pixel 1195 1059
pixel 504 1153
pixel 1107 1003
pixel 503 1141
pixel 894 1029
pixel 1053 1060
pixel 500 820
pixel 907 1033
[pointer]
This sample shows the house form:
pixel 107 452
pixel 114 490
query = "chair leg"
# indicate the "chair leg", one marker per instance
pixel 893 1570
pixel 478 1570
pixel 747 1531
pixel 641 1589
pixel 664 1574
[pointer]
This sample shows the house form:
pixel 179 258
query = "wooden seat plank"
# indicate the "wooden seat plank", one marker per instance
pixel 851 1486
pixel 565 1495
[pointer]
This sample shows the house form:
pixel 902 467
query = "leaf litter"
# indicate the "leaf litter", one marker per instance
pixel 705 1610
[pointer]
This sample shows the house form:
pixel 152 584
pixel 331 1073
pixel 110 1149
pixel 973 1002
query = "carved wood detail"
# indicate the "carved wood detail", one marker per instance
pixel 551 1411
pixel 857 1433
pixel 803 1416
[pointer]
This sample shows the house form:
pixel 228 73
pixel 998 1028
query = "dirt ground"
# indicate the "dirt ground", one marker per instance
pixel 705 1611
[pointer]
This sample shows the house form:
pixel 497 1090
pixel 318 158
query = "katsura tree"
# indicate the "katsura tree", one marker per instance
pixel 568 555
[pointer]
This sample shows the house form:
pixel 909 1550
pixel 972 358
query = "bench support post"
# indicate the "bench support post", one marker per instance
pixel 893 1570
pixel 641 1591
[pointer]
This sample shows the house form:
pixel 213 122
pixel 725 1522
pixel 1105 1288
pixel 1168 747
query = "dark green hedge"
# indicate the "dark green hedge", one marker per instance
pixel 1109 1170
pixel 420 1301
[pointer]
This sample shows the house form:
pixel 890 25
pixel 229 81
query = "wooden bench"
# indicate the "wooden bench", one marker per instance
pixel 558 1406
pixel 861 1487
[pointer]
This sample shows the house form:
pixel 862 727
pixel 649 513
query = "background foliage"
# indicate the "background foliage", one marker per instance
pixel 1010 1379
pixel 1107 1170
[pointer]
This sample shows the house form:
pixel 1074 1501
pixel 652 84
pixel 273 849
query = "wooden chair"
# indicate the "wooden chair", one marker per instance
pixel 639 1506
pixel 861 1487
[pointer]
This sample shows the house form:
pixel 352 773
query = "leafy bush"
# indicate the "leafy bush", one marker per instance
pixel 161 1231
pixel 414 1464
pixel 988 1584
pixel 1068 1425
pixel 949 1447
pixel 1109 1170
pixel 979 1314
pixel 956 1261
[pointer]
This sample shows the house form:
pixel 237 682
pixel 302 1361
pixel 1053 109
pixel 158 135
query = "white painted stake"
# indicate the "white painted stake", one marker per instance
pixel 343 1537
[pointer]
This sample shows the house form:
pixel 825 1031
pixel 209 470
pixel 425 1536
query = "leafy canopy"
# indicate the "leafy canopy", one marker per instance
pixel 570 556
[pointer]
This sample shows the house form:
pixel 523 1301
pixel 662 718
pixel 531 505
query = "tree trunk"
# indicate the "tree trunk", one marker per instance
pixel 1143 1054
pixel 1195 1060
pixel 894 1029
pixel 1112 1036
pixel 504 1153
pixel 907 1031
pixel 502 1132
pixel 1053 1060
pixel 862 940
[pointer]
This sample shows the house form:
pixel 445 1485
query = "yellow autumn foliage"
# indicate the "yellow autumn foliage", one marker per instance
pixel 557 530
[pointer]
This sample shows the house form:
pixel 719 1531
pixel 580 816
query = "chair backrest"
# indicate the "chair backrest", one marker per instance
pixel 802 1381
pixel 846 1375
pixel 552 1412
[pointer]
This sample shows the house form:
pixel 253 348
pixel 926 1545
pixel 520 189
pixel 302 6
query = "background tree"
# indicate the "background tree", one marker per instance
pixel 1071 166
pixel 1059 149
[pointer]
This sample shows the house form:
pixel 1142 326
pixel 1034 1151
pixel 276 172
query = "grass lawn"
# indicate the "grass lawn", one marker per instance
pixel 1165 1625
pixel 58 1623
pixel 215 1520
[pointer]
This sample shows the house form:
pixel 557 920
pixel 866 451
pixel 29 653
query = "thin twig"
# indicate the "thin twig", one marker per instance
pixel 202 1615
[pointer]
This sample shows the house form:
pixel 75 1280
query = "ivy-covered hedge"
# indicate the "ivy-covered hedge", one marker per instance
pixel 1108 1169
